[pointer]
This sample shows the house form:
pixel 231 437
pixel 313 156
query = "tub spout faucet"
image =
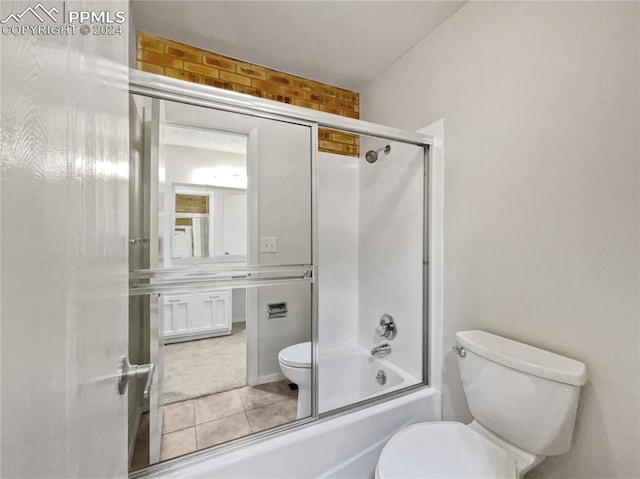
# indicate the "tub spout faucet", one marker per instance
pixel 382 350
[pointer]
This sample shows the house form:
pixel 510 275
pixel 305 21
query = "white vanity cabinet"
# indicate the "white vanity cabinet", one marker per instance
pixel 177 310
pixel 196 315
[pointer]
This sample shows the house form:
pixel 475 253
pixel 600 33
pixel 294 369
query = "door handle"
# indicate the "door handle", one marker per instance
pixel 137 241
pixel 135 371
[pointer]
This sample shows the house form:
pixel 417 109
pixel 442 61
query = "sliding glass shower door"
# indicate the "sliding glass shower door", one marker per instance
pixel 221 275
pixel 372 268
pixel 250 251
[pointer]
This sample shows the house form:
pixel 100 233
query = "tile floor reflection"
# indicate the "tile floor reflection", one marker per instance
pixel 196 424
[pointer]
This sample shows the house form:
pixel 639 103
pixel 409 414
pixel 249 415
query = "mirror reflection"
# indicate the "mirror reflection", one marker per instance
pixel 206 178
pixel 229 361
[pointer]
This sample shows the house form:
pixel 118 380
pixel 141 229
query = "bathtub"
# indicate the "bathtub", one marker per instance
pixel 347 374
pixel 346 446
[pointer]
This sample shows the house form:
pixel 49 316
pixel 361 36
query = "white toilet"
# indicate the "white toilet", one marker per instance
pixel 295 363
pixel 523 400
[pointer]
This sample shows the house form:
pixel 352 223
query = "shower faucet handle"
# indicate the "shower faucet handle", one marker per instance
pixel 388 327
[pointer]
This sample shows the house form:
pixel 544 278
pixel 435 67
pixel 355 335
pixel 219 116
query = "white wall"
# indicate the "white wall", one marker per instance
pixel 540 102
pixel 337 193
pixel 390 251
pixel 182 161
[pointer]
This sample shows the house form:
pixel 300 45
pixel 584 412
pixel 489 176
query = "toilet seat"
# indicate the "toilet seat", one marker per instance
pixel 296 356
pixel 443 450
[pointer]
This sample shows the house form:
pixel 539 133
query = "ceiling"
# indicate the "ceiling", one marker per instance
pixel 343 43
pixel 203 139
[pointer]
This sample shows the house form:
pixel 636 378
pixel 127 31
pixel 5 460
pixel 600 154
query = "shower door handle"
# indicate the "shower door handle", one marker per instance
pixel 135 371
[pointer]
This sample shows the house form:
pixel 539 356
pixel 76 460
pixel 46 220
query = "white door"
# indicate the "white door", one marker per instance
pixel 63 147
pixel 235 224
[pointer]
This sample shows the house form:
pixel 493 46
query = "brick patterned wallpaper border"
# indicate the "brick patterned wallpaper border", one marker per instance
pixel 166 57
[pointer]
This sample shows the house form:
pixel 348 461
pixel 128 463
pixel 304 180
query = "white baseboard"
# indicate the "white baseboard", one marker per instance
pixel 269 378
pixel 179 338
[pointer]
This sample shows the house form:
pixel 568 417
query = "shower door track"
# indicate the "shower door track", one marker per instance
pixel 165 88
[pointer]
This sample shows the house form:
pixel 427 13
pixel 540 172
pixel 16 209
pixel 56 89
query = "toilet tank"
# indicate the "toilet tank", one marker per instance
pixel 525 395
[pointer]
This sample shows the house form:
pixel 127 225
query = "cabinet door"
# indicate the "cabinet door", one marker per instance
pixel 176 313
pixel 216 310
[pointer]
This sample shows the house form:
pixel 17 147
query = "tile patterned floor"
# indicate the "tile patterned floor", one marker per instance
pixel 207 421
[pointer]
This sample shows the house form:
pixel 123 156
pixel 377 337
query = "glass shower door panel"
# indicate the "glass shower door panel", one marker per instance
pixel 222 384
pixel 259 176
pixel 371 271
pixel 221 282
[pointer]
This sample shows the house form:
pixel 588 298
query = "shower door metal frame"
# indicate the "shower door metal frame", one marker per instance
pixel 165 88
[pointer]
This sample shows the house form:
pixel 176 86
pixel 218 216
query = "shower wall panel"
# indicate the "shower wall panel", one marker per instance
pixel 337 179
pixel 390 251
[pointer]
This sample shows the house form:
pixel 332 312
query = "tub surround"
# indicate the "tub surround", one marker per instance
pixel 337 192
pixel 390 250
pixel 354 211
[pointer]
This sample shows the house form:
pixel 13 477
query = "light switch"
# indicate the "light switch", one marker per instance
pixel 268 244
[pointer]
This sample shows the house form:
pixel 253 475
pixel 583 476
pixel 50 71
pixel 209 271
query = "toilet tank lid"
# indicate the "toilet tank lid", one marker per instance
pixel 522 357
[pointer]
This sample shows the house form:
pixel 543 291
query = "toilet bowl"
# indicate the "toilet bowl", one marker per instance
pixel 295 364
pixel 443 450
pixel 513 430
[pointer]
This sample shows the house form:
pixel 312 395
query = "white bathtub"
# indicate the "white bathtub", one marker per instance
pixel 347 374
pixel 344 447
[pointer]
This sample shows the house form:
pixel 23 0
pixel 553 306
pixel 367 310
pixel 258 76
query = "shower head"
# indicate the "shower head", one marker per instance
pixel 372 155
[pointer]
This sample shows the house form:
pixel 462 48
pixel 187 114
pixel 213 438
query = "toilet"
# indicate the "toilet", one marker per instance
pixel 295 364
pixel 523 401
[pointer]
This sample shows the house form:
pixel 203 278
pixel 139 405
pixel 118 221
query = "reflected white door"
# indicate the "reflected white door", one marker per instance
pixel 235 224
pixel 146 325
pixel 154 219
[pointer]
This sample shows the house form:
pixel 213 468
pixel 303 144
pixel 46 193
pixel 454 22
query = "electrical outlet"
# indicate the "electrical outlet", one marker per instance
pixel 268 244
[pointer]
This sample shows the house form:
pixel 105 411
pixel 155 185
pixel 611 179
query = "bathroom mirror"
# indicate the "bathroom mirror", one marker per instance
pixel 215 200
pixel 206 178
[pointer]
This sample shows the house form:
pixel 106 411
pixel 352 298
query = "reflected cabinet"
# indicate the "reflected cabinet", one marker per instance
pixel 190 316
